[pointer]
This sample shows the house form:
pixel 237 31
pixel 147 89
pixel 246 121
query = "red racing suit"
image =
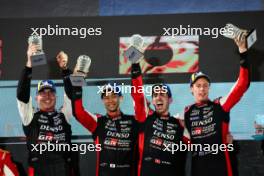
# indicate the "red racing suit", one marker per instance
pixel 117 136
pixel 7 167
pixel 156 133
pixel 208 124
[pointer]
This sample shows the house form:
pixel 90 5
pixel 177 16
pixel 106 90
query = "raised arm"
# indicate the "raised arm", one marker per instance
pixel 140 104
pixel 87 119
pixel 24 101
pixel 242 83
pixel 62 60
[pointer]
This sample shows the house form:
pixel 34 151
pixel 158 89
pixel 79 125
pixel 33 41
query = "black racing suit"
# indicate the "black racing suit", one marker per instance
pixel 208 124
pixel 156 135
pixel 117 136
pixel 42 128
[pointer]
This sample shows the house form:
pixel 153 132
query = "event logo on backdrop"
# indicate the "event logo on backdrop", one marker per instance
pixel 163 54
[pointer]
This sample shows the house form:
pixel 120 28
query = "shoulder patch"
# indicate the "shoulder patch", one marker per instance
pixel 217 100
pixel 187 108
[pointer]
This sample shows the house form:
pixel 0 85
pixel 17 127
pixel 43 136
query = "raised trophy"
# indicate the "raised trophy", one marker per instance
pixel 259 127
pixel 39 57
pixel 80 71
pixel 241 34
pixel 133 53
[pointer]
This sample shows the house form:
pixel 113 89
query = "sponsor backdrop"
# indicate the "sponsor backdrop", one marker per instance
pixel 102 38
pixel 167 59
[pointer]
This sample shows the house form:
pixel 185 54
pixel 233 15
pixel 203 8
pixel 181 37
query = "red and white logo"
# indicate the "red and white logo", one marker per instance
pixel 47 137
pixel 157 161
pixel 113 142
pixel 158 142
pixel 197 131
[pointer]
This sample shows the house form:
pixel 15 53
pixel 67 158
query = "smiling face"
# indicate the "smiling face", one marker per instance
pixel 46 100
pixel 161 101
pixel 200 90
pixel 111 102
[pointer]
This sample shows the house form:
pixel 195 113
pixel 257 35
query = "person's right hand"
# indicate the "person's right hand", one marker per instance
pixel 32 48
pixel 62 60
pixel 241 42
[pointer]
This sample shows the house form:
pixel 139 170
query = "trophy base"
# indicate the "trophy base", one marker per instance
pixel 251 38
pixel 133 54
pixel 77 81
pixel 38 59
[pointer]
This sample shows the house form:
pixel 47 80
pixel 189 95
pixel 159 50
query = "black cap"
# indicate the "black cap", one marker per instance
pixel 46 84
pixel 111 87
pixel 197 75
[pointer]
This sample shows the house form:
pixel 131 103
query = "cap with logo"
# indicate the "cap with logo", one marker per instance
pixel 46 84
pixel 198 75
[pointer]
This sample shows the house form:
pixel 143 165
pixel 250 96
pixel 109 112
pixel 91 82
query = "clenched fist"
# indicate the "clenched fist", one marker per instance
pixel 32 49
pixel 241 43
pixel 62 60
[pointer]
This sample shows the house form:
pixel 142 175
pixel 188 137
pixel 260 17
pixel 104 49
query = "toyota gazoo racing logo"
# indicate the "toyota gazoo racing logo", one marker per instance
pixel 46 137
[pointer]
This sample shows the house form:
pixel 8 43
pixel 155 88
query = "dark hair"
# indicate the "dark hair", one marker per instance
pixel 164 86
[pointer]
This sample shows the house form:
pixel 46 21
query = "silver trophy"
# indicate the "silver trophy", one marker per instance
pixel 133 53
pixel 81 70
pixel 38 58
pixel 137 41
pixel 233 32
